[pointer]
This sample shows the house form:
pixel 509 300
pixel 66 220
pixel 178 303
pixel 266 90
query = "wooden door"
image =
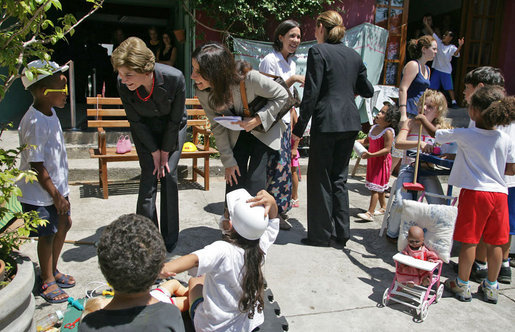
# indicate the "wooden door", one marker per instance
pixel 481 21
pixel 393 16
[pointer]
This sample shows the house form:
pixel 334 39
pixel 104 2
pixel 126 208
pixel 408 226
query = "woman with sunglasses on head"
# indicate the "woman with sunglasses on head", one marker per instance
pixel 153 96
pixel 244 153
pixel 335 74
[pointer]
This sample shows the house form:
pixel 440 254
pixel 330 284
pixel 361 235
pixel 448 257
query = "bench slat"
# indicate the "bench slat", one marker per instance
pixel 109 123
pixel 106 112
pixel 103 101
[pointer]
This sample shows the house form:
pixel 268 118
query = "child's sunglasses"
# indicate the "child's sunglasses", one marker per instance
pixel 65 90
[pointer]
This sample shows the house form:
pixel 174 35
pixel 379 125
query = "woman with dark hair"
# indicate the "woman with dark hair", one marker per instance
pixel 244 153
pixel 335 74
pixel 153 96
pixel 415 75
pixel 280 63
pixel 167 53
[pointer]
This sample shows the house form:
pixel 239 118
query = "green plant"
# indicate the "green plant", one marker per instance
pixel 248 19
pixel 9 174
pixel 26 32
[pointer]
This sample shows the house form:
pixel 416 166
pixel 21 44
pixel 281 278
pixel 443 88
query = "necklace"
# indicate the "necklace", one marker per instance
pixel 151 91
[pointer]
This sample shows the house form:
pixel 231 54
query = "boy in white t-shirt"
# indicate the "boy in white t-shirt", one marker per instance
pixel 40 130
pixel 442 68
pixel 484 156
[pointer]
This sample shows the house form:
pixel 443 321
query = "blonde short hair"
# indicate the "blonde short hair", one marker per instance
pixel 134 54
pixel 333 24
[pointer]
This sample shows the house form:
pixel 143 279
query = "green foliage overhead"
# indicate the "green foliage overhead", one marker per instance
pixel 247 19
pixel 27 32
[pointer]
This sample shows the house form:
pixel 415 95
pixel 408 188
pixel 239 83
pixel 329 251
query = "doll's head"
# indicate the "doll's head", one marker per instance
pixel 415 237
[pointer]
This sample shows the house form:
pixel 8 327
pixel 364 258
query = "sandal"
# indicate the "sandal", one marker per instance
pixel 294 203
pixel 64 281
pixel 366 216
pixel 50 296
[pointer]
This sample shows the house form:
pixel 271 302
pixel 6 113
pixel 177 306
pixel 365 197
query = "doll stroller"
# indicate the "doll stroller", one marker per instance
pixel 437 221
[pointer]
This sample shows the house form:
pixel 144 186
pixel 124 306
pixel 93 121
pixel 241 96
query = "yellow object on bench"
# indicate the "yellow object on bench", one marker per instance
pixel 107 112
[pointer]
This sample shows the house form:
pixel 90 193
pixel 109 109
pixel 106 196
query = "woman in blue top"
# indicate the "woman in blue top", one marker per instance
pixel 415 75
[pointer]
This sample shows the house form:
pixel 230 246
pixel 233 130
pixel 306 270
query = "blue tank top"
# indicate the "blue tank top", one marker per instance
pixel 416 90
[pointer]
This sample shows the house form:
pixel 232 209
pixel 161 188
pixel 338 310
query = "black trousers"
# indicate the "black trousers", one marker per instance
pixel 252 157
pixel 146 205
pixel 328 197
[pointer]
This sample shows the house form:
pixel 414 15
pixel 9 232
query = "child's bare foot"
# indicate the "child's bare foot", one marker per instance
pixel 64 280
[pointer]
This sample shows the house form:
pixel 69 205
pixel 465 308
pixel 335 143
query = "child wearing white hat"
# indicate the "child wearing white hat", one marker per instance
pixel 227 292
pixel 40 130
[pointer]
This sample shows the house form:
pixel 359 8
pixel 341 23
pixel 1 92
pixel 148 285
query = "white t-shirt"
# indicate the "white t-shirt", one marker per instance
pixel 481 158
pixel 222 263
pixel 442 60
pixel 510 131
pixel 275 64
pixel 45 134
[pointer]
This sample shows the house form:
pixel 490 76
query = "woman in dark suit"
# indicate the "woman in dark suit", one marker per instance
pixel 335 74
pixel 153 96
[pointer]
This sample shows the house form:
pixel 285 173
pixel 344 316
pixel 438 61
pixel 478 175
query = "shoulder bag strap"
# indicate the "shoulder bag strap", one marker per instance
pixel 244 101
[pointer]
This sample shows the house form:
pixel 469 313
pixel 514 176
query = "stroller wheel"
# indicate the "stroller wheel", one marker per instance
pixel 424 310
pixel 384 302
pixel 439 293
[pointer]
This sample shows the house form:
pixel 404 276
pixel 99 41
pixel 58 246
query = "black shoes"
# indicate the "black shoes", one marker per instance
pixel 314 243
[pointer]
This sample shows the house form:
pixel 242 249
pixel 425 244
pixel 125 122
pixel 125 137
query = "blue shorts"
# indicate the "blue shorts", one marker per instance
pixel 511 209
pixel 47 213
pixel 440 79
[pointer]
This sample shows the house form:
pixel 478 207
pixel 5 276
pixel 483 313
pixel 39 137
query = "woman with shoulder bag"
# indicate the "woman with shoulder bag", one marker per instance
pixel 334 75
pixel 244 153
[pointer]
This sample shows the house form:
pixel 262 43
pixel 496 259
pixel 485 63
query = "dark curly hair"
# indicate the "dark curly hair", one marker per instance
pixel 217 66
pixel 252 281
pixel 496 109
pixel 392 115
pixel 415 46
pixel 486 75
pixel 281 30
pixel 131 253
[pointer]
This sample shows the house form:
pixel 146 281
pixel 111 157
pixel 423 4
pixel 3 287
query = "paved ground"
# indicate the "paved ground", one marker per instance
pixel 324 289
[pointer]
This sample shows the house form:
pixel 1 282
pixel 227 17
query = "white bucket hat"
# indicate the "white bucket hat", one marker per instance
pixel 249 222
pixel 41 64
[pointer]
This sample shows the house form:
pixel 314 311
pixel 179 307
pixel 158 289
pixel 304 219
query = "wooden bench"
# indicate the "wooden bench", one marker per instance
pixel 107 112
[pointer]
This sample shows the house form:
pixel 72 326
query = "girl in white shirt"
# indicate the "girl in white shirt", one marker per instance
pixel 227 294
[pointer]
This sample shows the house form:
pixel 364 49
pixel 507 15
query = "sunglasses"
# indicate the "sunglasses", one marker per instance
pixel 65 90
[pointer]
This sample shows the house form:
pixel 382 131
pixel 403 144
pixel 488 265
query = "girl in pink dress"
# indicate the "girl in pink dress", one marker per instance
pixel 379 160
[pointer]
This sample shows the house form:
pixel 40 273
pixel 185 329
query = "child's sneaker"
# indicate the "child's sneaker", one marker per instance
pixel 504 275
pixel 462 292
pixel 477 274
pixel 490 294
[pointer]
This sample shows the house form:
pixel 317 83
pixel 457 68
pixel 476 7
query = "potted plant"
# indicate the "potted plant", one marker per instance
pixel 16 288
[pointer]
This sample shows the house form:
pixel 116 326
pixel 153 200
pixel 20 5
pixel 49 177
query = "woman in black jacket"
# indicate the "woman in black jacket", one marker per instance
pixel 335 74
pixel 153 96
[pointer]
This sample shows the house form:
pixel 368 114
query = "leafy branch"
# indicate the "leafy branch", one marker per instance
pixel 26 33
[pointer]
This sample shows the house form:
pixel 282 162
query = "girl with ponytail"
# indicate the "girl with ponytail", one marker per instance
pixel 227 294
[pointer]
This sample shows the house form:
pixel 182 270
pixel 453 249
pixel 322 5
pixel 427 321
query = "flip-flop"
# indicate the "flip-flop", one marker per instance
pixel 50 296
pixel 64 280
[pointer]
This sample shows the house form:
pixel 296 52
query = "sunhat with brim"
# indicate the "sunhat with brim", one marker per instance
pixel 49 68
pixel 249 222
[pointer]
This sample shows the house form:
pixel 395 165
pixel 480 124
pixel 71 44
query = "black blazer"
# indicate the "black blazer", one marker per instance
pixel 335 74
pixel 156 122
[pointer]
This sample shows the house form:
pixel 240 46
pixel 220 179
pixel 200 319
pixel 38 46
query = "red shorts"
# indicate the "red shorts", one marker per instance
pixel 482 214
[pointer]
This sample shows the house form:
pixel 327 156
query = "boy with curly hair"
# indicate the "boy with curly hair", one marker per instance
pixel 131 253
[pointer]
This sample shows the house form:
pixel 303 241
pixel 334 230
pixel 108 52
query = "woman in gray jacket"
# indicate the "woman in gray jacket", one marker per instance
pixel 244 153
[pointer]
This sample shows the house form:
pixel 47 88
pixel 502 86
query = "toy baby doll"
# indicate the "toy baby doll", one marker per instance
pixel 410 275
